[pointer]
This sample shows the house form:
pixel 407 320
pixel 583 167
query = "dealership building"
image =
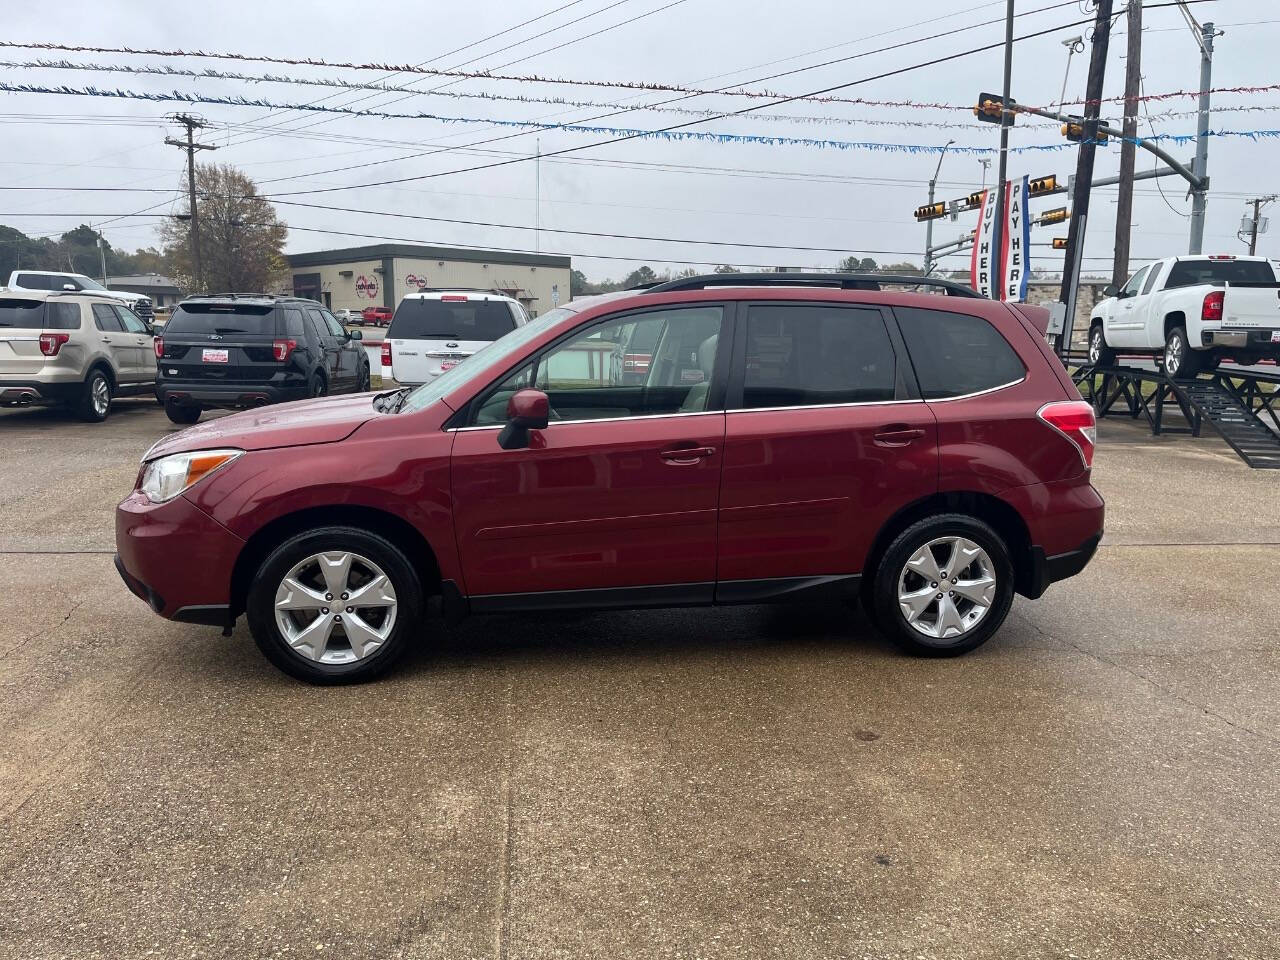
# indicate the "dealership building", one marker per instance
pixel 381 275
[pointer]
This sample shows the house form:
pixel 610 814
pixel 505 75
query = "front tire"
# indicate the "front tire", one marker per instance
pixel 94 402
pixel 335 605
pixel 1100 355
pixel 1180 361
pixel 943 587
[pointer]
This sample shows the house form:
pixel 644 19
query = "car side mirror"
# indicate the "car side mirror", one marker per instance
pixel 526 410
pixel 1111 290
pixel 69 286
pixel 354 335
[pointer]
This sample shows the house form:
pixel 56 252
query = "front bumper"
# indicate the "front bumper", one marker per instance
pixel 177 558
pixel 229 396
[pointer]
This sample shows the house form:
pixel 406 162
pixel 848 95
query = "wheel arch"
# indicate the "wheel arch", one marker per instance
pixel 996 513
pixel 103 364
pixel 401 533
pixel 1174 318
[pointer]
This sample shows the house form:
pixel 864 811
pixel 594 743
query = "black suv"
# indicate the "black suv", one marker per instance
pixel 240 350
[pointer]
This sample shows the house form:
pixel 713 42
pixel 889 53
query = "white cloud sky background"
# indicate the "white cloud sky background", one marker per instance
pixel 857 201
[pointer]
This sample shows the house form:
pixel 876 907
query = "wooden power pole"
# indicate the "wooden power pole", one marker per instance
pixel 1128 149
pixel 189 145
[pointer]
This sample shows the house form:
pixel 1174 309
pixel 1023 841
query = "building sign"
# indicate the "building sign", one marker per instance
pixel 415 282
pixel 982 262
pixel 555 294
pixel 1016 243
pixel 367 287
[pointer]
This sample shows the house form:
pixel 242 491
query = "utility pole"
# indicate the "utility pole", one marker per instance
pixel 189 145
pixel 928 229
pixel 1200 195
pixel 1128 148
pixel 1006 121
pixel 1255 226
pixel 1084 172
pixel 537 195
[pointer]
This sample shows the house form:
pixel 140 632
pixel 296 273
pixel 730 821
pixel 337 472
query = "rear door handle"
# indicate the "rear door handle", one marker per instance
pixel 687 455
pixel 897 435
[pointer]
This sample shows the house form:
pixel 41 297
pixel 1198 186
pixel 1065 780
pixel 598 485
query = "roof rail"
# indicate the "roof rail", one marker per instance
pixel 844 281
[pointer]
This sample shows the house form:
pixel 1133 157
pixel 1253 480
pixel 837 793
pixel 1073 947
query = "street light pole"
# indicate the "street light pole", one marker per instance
pixel 928 229
pixel 1006 121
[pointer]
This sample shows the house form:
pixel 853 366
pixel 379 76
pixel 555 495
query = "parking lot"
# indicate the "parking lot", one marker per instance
pixel 1098 780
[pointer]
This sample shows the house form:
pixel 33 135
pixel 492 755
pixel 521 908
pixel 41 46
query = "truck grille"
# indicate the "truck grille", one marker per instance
pixel 144 310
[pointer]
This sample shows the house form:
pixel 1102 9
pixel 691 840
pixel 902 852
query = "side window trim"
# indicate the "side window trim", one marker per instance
pixel 465 418
pixel 906 389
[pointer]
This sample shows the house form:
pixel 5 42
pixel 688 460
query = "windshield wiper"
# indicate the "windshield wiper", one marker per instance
pixel 393 399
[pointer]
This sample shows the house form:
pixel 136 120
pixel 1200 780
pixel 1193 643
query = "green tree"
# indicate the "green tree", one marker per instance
pixel 858 265
pixel 643 275
pixel 579 285
pixel 725 268
pixel 241 238
pixel 905 268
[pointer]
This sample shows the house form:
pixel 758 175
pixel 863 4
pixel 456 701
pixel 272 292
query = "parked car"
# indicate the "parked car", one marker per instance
pixel 435 330
pixel 78 349
pixel 247 350
pixel 928 454
pixel 378 316
pixel 139 303
pixel 1192 312
pixel 350 317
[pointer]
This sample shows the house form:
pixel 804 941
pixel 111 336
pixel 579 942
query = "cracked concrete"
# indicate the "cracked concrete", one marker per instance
pixel 1099 781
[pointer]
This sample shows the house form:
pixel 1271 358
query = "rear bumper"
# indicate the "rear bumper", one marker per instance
pixel 1046 570
pixel 229 396
pixel 1250 339
pixel 176 558
pixel 1065 520
pixel 39 391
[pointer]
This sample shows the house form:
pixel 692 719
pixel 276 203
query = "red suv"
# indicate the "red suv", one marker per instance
pixel 792 437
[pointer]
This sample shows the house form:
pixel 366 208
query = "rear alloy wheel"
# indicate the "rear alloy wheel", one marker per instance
pixel 180 413
pixel 944 586
pixel 95 400
pixel 1100 355
pixel 338 605
pixel 1180 361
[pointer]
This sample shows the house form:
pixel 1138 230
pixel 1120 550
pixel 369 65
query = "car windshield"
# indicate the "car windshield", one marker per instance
pixel 220 318
pixel 89 283
pixel 481 361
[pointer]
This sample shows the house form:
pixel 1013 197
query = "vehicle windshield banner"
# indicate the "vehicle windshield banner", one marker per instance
pixel 1015 243
pixel 981 264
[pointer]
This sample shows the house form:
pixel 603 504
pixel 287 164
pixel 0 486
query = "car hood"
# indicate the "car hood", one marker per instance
pixel 325 420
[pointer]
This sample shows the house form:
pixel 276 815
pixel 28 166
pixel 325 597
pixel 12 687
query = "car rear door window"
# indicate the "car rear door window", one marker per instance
pixel 130 321
pixel 318 326
pixel 955 354
pixel 419 318
pixel 335 328
pixel 106 319
pixel 814 355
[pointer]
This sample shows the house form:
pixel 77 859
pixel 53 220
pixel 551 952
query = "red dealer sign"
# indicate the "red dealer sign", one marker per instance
pixel 366 286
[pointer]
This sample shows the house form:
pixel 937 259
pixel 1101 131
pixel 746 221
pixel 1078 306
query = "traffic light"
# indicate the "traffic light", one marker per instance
pixel 974 200
pixel 990 108
pixel 1057 215
pixel 931 211
pixel 1073 130
pixel 1059 243
pixel 1047 184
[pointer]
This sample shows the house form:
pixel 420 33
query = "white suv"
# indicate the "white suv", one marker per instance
pixel 435 330
pixel 76 282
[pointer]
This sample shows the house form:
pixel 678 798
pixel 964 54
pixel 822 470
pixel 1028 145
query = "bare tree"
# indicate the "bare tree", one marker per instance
pixel 241 238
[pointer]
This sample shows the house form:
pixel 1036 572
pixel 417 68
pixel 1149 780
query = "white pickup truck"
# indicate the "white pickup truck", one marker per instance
pixel 1192 310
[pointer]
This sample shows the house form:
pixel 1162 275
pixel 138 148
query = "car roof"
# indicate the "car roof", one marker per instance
pixel 51 273
pixel 17 293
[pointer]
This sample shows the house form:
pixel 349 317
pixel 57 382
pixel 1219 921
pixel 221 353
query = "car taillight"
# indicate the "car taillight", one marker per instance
pixel 1074 420
pixel 1212 308
pixel 282 350
pixel 454 298
pixel 51 343
pixel 1222 256
pixel 386 353
pixel 159 345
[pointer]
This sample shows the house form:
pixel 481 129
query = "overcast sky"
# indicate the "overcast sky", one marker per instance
pixel 858 201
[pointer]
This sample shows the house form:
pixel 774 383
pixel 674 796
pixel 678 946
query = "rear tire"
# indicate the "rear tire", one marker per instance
pixel 184 414
pixel 1247 359
pixel 330 642
pixel 1100 355
pixel 1180 361
pixel 317 387
pixel 366 382
pixel 94 402
pixel 966 563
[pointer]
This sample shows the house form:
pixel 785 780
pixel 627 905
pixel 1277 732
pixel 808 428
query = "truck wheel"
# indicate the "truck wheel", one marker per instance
pixel 1180 361
pixel 317 387
pixel 181 413
pixel 1100 355
pixel 94 402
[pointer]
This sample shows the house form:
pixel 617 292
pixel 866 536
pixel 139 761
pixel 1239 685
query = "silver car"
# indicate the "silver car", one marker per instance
pixel 79 349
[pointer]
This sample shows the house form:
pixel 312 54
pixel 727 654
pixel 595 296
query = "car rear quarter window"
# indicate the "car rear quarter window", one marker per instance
pixel 61 316
pixel 800 356
pixel 423 319
pixel 955 354
pixel 223 319
pixel 293 324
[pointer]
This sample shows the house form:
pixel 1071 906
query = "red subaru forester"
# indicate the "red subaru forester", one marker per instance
pixel 793 436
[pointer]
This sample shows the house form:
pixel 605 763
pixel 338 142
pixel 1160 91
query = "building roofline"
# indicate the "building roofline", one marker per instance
pixel 378 251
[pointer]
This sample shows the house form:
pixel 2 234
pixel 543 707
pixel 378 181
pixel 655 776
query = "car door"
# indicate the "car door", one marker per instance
pixel 349 351
pixel 330 348
pixel 825 439
pixel 618 495
pixel 117 344
pixel 1125 324
pixel 144 343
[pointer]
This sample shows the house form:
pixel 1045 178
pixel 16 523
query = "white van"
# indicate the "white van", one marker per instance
pixel 435 330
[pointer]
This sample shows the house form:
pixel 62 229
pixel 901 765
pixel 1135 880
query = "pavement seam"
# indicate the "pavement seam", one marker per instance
pixel 42 633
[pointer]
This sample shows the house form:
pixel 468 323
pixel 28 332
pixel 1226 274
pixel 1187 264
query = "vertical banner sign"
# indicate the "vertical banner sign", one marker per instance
pixel 982 265
pixel 1015 267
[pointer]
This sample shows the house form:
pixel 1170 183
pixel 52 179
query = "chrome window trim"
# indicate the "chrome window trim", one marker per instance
pixel 978 393
pixel 643 416
pixel 824 406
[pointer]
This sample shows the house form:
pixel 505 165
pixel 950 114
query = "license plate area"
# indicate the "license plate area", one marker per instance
pixel 215 356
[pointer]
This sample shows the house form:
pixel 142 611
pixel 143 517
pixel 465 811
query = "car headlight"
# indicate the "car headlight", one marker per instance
pixel 166 477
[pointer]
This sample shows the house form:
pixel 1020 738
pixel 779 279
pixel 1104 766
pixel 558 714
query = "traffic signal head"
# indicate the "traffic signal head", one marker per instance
pixel 975 199
pixel 1073 130
pixel 1059 243
pixel 1043 185
pixel 931 211
pixel 1058 215
pixel 990 108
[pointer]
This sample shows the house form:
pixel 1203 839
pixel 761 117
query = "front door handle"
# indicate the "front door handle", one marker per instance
pixel 687 455
pixel 897 435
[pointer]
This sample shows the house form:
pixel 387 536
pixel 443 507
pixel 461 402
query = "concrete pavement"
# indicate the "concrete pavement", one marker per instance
pixel 1100 780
